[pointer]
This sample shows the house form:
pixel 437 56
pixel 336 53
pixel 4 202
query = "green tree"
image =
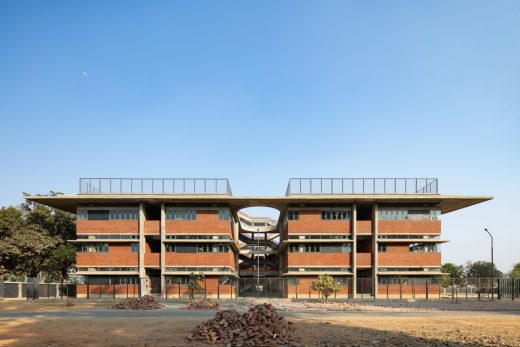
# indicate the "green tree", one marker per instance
pixel 33 240
pixel 326 285
pixel 454 273
pixel 55 222
pixel 61 262
pixel 515 273
pixel 26 251
pixel 194 283
pixel 481 269
pixel 11 219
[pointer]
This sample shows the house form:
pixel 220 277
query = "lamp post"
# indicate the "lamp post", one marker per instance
pixel 492 268
pixel 257 262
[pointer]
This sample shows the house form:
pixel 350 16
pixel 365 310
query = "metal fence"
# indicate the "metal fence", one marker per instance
pixel 481 288
pixel 292 288
pixel 344 186
pixel 40 290
pixel 217 186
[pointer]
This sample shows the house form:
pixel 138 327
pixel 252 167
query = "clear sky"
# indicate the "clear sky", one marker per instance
pixel 262 91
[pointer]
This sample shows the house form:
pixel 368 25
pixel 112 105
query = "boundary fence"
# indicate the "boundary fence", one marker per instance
pixel 400 288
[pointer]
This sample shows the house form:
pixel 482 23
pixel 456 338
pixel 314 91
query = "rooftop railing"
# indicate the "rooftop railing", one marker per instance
pixel 187 186
pixel 344 186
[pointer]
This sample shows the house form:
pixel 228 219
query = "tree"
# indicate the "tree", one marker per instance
pixel 454 273
pixel 481 269
pixel 55 222
pixel 326 285
pixel 61 262
pixel 11 219
pixel 515 273
pixel 29 235
pixel 194 282
pixel 26 251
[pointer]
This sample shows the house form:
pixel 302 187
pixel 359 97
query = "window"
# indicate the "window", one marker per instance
pixel 124 214
pixel 134 247
pixel 82 214
pixel 107 214
pixel 124 280
pixel 198 237
pixel 293 281
pixel 381 247
pixel 98 215
pixel 181 214
pixel 336 248
pixel 227 280
pixel 93 248
pixel 197 247
pixel 336 215
pixel 177 280
pixel 293 215
pixel 108 237
pixel 418 247
pixel 304 248
pixel 405 214
pixel 224 215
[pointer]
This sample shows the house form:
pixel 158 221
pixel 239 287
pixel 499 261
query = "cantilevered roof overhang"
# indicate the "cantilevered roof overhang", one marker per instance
pixel 69 203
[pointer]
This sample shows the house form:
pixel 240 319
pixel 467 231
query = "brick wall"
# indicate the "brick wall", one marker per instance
pixel 311 222
pixel 152 259
pixel 207 222
pixel 398 255
pixel 152 227
pixel 318 259
pixel 364 227
pixel 107 226
pixel 200 259
pixel 118 255
pixel 364 259
pixel 409 227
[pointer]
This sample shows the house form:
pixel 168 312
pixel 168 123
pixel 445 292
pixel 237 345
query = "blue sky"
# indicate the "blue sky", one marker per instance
pixel 262 91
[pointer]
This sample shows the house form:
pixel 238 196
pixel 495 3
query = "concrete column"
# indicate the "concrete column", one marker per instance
pixel 163 249
pixel 354 250
pixel 142 243
pixel 375 261
pixel 20 294
pixel 236 229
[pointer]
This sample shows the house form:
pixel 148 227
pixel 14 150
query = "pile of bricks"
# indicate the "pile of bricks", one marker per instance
pixel 147 302
pixel 260 326
pixel 205 304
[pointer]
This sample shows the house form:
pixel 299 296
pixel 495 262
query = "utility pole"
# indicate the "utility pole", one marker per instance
pixel 492 268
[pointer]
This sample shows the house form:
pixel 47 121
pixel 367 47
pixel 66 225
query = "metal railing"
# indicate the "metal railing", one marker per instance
pixel 344 186
pixel 218 186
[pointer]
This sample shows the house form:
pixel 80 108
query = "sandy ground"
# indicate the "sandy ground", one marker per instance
pixel 84 324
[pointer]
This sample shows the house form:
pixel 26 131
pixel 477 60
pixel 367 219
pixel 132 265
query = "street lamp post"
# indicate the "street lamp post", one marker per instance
pixel 492 268
pixel 257 262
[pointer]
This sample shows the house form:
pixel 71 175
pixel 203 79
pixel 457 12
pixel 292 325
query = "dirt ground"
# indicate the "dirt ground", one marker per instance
pixel 428 327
